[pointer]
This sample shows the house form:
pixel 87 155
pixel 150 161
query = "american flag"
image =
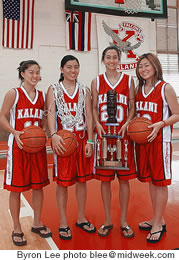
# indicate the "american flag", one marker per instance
pixel 18 23
pixel 78 30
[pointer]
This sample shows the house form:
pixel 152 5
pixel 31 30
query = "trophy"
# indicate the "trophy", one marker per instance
pixel 111 151
pixel 112 110
pixel 112 106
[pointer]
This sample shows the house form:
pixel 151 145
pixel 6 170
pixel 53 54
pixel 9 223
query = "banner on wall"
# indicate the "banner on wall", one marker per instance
pixel 130 35
pixel 78 30
pixel 18 24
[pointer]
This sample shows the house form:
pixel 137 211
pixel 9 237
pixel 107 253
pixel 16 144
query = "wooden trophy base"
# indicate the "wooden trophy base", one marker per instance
pixel 112 165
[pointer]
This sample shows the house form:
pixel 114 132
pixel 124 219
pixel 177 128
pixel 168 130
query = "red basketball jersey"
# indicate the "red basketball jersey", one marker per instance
pixel 24 170
pixel 155 107
pixel 25 111
pixel 122 87
pixel 72 105
pixel 76 167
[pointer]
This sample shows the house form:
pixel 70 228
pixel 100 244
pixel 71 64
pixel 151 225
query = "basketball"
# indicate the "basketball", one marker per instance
pixel 70 142
pixel 34 139
pixel 138 129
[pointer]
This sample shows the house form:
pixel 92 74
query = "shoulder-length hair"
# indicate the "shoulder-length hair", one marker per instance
pixel 153 59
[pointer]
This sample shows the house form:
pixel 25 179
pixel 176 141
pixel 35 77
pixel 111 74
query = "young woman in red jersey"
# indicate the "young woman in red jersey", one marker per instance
pixel 123 84
pixel 22 107
pixel 69 106
pixel 156 100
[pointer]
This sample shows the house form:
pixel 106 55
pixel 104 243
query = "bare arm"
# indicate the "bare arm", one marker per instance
pixel 131 108
pixel 95 108
pixel 5 113
pixel 89 117
pixel 171 98
pixel 51 117
pixel 44 119
pixel 5 110
pixel 57 141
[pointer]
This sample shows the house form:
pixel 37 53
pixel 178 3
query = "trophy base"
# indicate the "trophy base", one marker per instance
pixel 112 168
pixel 111 165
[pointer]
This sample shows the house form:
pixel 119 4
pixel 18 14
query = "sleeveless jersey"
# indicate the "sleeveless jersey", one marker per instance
pixel 72 104
pixel 70 111
pixel 25 112
pixel 155 107
pixel 122 87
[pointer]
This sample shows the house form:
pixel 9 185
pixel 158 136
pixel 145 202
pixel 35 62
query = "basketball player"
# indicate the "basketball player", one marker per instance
pixel 123 84
pixel 156 100
pixel 69 106
pixel 23 107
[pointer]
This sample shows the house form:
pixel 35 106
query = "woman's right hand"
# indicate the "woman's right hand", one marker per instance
pixel 58 144
pixel 17 137
pixel 100 129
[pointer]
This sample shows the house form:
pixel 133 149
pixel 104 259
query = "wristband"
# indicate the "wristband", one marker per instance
pixel 164 123
pixel 52 134
pixel 90 141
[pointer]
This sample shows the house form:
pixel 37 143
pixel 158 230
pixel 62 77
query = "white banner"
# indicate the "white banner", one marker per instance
pixel 133 36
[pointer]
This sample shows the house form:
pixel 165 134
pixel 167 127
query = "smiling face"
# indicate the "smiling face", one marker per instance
pixel 146 69
pixel 71 70
pixel 111 59
pixel 31 75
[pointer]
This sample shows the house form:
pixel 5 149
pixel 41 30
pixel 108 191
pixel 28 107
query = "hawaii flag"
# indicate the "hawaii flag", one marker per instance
pixel 18 23
pixel 78 30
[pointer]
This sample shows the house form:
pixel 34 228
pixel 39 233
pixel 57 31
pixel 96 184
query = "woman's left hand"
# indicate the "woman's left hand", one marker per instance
pixel 88 150
pixel 156 127
pixel 123 130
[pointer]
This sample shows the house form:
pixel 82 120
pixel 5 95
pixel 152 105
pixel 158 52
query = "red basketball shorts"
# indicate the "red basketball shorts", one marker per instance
pixel 25 171
pixel 154 162
pixel 74 168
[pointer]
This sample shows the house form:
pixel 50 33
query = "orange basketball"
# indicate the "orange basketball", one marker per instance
pixel 34 139
pixel 138 129
pixel 70 142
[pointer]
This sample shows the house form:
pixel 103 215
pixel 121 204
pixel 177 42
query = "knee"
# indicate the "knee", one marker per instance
pixel 124 182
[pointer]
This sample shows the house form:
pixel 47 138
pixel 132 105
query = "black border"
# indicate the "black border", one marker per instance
pixel 74 7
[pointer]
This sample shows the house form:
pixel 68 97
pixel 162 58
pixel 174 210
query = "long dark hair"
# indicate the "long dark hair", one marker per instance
pixel 25 65
pixel 64 61
pixel 112 47
pixel 153 59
